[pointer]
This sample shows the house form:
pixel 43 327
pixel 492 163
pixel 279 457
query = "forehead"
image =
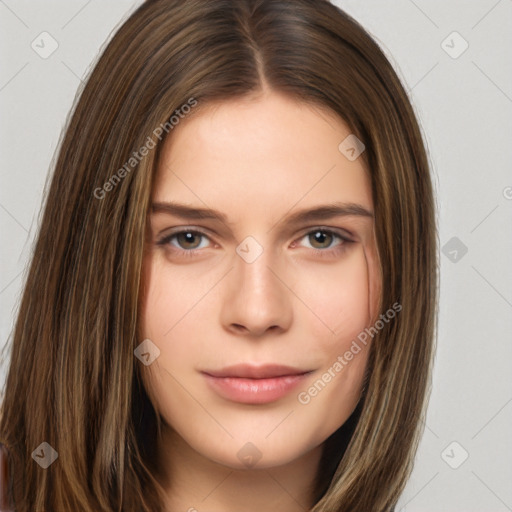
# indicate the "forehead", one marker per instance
pixel 258 151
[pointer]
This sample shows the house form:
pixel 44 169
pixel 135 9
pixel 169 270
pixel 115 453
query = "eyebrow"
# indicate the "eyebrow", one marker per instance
pixel 314 214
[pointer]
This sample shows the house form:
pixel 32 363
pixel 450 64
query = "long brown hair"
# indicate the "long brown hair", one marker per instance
pixel 73 380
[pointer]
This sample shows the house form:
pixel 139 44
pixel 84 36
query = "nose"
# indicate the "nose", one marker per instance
pixel 256 298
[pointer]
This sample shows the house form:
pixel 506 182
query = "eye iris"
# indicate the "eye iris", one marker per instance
pixel 319 236
pixel 187 237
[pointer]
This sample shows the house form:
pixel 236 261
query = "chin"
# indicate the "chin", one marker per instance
pixel 256 452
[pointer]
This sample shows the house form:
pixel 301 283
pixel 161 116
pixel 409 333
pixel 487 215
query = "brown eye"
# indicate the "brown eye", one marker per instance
pixel 321 237
pixel 188 239
pixel 323 242
pixel 185 240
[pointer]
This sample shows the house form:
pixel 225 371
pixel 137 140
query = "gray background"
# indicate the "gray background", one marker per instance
pixel 463 101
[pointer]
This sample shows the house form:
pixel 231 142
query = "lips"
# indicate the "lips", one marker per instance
pixel 249 384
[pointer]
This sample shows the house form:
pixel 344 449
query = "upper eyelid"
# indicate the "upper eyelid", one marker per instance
pixel 343 233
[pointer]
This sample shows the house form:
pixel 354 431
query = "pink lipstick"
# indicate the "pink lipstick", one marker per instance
pixel 250 384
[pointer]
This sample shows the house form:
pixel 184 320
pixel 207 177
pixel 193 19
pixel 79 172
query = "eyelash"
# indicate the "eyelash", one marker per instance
pixel 330 252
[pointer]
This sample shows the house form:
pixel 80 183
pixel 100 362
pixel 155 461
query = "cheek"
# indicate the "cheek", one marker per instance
pixel 170 298
pixel 338 299
pixel 166 308
pixel 342 302
pixel 162 305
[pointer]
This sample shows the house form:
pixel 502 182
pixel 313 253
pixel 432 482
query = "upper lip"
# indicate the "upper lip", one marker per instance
pixel 248 371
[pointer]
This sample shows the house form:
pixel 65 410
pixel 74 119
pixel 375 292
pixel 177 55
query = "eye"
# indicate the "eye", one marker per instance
pixel 322 240
pixel 186 240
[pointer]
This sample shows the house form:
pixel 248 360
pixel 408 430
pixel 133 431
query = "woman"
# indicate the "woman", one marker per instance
pixel 258 368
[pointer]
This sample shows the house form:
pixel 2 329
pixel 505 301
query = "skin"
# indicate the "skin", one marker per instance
pixel 257 159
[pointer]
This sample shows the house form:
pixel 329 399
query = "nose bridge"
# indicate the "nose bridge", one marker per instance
pixel 254 269
pixel 256 273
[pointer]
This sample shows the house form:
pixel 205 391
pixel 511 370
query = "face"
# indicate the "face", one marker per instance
pixel 256 311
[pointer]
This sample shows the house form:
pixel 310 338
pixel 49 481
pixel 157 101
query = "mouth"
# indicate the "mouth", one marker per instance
pixel 254 384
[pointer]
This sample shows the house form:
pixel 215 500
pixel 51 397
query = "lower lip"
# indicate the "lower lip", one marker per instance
pixel 254 391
